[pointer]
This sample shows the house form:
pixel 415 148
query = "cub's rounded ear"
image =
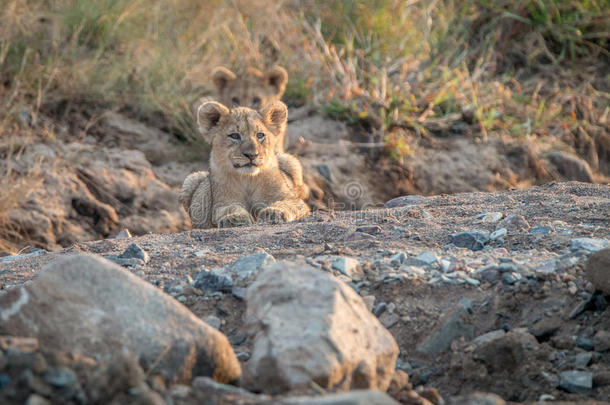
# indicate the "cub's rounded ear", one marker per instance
pixel 277 77
pixel 209 115
pixel 221 76
pixel 275 116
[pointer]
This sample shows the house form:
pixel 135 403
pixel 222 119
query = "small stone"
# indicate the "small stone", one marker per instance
pixel 124 234
pixel 491 217
pixel 497 234
pixel 488 337
pixel 590 244
pixel 546 268
pixel 239 292
pixel 473 240
pixel 389 319
pixel 576 381
pixel 513 223
pixel 597 269
pixel 511 278
pixel 601 341
pixel 477 398
pixel 355 236
pixel 380 309
pixel 472 281
pixel 213 321
pixel 405 200
pixel 369 229
pixel 211 280
pixel 35 399
pixel 427 258
pixel 540 230
pixel 348 266
pixel 489 275
pixel 134 251
pixel 584 343
pixel 398 259
pixel 201 253
pixel 583 359
pixel 60 377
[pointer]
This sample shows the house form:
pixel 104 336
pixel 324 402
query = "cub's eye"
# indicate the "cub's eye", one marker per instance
pixel 256 102
pixel 235 136
pixel 260 136
pixel 235 101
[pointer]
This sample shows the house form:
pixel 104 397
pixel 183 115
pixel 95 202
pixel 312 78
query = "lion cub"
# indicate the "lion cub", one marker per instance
pixel 248 180
pixel 252 88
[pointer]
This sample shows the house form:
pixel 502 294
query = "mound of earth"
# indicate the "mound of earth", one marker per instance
pixel 482 292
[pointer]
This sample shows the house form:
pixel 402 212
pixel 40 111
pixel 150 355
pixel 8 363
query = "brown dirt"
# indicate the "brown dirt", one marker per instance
pixel 422 303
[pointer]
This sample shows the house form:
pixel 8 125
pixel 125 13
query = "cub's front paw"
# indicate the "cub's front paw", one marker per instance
pixel 232 220
pixel 271 215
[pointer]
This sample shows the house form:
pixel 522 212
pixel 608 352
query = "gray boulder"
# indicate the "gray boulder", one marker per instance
pixel 88 305
pixel 310 327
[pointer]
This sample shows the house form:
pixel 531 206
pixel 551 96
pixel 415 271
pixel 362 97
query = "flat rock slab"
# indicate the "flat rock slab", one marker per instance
pixel 310 327
pixel 88 305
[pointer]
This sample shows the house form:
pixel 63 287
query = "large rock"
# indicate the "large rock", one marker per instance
pixel 598 270
pixel 571 167
pixel 88 305
pixel 310 327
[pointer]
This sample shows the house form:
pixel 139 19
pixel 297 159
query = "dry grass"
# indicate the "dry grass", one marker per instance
pixel 403 69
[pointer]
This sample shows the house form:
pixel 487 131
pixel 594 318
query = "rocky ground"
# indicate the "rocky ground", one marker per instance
pixel 499 292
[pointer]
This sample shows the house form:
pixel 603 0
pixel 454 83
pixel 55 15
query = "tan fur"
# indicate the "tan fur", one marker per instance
pixel 253 89
pixel 248 181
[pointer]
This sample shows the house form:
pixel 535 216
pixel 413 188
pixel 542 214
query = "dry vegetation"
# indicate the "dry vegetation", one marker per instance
pixel 401 69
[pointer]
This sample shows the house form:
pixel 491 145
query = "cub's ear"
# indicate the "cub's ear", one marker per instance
pixel 275 116
pixel 209 115
pixel 221 76
pixel 277 77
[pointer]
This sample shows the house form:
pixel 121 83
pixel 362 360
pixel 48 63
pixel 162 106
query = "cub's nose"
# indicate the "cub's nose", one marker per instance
pixel 251 155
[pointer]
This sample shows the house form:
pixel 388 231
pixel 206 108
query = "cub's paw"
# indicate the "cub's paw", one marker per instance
pixel 271 215
pixel 232 220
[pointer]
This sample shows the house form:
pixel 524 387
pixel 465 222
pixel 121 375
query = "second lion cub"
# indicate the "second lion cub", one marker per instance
pixel 248 180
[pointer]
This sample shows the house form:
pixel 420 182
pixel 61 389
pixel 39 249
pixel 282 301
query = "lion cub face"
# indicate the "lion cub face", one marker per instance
pixel 253 89
pixel 242 139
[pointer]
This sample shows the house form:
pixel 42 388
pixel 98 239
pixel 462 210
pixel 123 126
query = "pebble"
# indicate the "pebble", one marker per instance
pixel 584 343
pixel 540 230
pixel 473 240
pixel 359 236
pixel 427 258
pixel 472 281
pixel 576 381
pixel 590 244
pixel 348 266
pixel 201 253
pixel 497 234
pixel 398 259
pixel 369 229
pixel 405 200
pixel 213 321
pixel 546 268
pixel 325 172
pixel 491 217
pixel 60 377
pixel 134 251
pixel 380 308
pixel 601 341
pixel 511 278
pixel 389 319
pixel 583 359
pixel 488 337
pixel 514 222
